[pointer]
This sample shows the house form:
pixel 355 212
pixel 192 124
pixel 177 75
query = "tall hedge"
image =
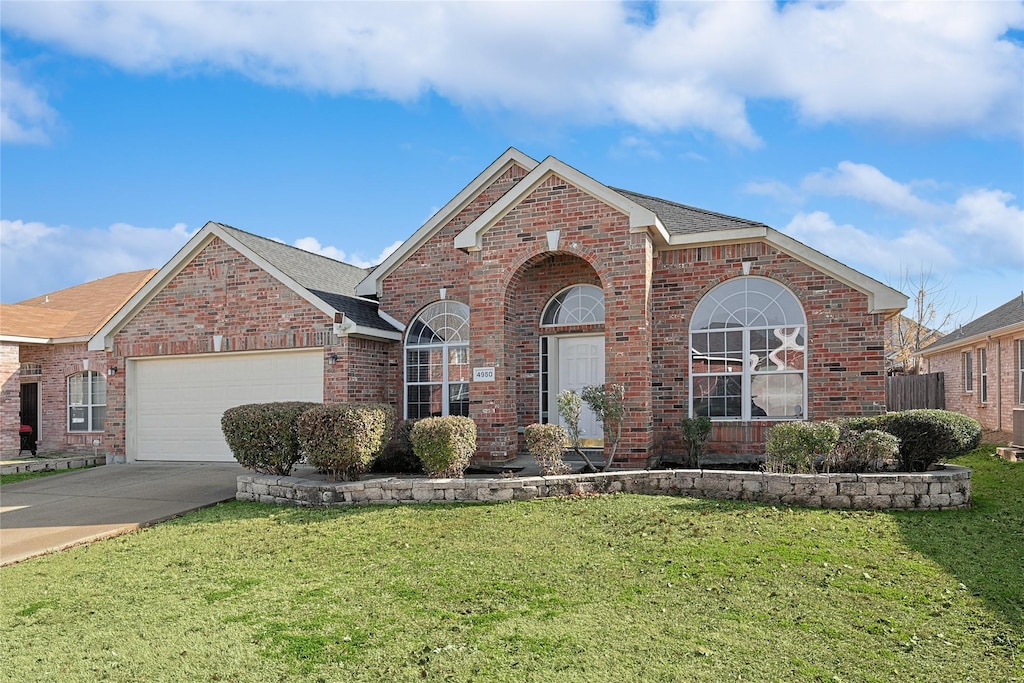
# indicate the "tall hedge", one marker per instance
pixel 926 436
pixel 264 436
pixel 343 439
pixel 444 444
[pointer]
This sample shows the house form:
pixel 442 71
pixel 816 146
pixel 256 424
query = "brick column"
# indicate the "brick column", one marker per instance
pixel 10 400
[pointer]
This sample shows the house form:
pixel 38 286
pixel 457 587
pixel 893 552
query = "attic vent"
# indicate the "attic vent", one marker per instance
pixel 31 369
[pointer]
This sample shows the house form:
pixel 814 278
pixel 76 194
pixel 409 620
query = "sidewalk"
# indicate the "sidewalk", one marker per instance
pixel 63 510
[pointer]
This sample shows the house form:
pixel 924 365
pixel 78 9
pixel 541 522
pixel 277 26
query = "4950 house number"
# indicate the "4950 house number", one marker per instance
pixel 483 374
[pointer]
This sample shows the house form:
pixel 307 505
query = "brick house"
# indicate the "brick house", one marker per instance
pixel 983 364
pixel 51 382
pixel 535 278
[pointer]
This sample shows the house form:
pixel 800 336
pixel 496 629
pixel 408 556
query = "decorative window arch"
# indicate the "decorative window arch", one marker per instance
pixel 437 361
pixel 87 401
pixel 748 354
pixel 575 305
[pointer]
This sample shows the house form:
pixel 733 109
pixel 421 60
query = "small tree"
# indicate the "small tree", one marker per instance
pixel 570 407
pixel 696 432
pixel 609 405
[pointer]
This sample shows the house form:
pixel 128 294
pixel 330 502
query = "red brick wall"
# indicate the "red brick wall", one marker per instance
pixel 506 298
pixel 997 412
pixel 58 362
pixel 845 354
pixel 222 292
pixel 10 397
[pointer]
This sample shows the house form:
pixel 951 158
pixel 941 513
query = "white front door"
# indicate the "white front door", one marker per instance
pixel 581 364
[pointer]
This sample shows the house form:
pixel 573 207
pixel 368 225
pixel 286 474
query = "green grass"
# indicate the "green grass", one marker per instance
pixel 24 476
pixel 603 588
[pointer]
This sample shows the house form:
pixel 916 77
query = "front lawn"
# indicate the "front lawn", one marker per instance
pixel 601 588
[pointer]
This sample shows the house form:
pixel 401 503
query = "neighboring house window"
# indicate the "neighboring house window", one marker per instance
pixel 983 374
pixel 1020 371
pixel 968 373
pixel 437 361
pixel 576 305
pixel 87 402
pixel 748 356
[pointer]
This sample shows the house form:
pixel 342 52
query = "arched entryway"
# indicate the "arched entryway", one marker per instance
pixel 556 337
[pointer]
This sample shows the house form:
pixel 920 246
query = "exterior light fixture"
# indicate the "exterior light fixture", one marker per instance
pixel 112 370
pixel 332 359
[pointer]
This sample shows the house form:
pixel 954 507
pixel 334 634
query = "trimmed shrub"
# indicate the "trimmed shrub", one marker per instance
pixel 546 443
pixel 445 445
pixel 342 440
pixel 696 432
pixel 870 450
pixel 264 436
pixel 399 457
pixel 927 436
pixel 795 446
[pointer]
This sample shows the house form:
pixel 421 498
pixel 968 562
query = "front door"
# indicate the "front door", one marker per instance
pixel 581 364
pixel 30 407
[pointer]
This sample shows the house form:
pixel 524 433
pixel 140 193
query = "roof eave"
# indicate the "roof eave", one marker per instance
pixel 641 219
pixel 372 283
pixel 972 339
pixel 881 298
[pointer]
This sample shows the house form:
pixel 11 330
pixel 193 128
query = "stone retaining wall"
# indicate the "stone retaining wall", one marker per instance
pixel 948 488
pixel 42 464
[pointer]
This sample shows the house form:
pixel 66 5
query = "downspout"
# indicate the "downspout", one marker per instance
pixel 999 385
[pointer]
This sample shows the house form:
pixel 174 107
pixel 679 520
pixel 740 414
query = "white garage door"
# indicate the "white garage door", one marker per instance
pixel 175 404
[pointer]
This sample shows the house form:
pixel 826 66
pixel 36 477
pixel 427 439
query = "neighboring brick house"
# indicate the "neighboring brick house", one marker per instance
pixel 535 278
pixel 983 364
pixel 51 382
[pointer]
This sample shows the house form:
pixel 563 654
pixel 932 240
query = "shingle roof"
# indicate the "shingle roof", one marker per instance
pixel 680 219
pixel 78 311
pixel 333 282
pixel 1010 313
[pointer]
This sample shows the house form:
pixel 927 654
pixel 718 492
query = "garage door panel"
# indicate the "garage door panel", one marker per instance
pixel 178 402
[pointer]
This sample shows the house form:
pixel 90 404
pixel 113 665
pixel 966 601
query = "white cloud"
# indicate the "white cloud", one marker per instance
pixel 978 229
pixel 37 258
pixel 929 66
pixel 867 183
pixel 25 116
pixel 313 245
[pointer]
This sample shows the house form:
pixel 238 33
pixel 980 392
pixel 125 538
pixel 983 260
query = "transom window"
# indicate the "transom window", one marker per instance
pixel 31 369
pixel 87 402
pixel 748 356
pixel 437 361
pixel 576 305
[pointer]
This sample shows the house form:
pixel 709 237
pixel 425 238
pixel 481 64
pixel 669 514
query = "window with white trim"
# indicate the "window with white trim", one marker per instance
pixel 748 355
pixel 1020 371
pixel 983 374
pixel 437 361
pixel 968 371
pixel 87 402
pixel 575 305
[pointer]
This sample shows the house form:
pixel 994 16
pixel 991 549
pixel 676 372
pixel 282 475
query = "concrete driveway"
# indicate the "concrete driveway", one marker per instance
pixel 56 512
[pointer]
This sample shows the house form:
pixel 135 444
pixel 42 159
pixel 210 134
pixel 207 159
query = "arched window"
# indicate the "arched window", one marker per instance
pixel 748 357
pixel 437 361
pixel 576 305
pixel 87 402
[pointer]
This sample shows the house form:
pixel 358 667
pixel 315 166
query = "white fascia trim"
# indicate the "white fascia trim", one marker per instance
pixel 640 218
pixel 371 284
pixel 14 339
pixel 104 339
pixel 881 297
pixel 391 321
pixel 372 333
pixel 971 341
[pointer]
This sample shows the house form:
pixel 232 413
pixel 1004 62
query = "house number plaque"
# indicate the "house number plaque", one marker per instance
pixel 483 374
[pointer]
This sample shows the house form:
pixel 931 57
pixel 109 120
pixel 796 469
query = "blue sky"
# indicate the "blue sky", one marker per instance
pixel 889 136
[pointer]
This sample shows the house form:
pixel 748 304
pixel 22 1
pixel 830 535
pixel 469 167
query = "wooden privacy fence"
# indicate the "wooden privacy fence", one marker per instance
pixel 905 392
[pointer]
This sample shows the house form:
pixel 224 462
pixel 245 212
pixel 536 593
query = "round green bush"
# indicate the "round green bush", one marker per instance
pixel 264 436
pixel 445 445
pixel 927 436
pixel 342 440
pixel 796 446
